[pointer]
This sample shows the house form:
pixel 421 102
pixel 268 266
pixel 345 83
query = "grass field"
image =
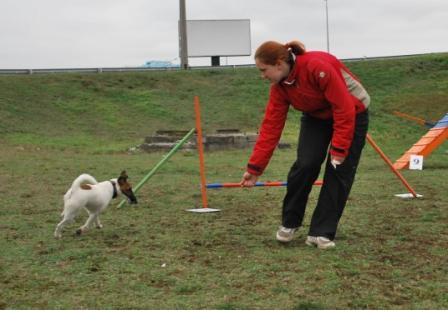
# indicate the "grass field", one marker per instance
pixel 390 254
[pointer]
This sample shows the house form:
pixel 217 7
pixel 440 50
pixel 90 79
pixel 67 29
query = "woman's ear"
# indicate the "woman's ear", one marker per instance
pixel 281 65
pixel 278 64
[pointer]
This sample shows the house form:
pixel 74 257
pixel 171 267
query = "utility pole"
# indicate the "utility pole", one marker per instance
pixel 183 49
pixel 328 32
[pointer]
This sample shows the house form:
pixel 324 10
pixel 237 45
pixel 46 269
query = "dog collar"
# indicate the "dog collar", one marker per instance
pixel 114 195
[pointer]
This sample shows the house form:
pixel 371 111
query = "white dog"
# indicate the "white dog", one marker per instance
pixel 87 193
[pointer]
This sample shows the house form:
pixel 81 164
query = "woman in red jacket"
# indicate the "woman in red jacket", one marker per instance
pixel 333 125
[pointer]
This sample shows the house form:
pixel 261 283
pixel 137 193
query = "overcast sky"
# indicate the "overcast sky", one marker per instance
pixel 115 33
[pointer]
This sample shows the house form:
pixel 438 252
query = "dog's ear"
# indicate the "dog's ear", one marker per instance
pixel 123 175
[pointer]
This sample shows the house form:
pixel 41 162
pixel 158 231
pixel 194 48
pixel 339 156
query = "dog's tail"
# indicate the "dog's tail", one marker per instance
pixel 83 178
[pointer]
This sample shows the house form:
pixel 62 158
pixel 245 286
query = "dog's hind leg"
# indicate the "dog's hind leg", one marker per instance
pixel 98 223
pixel 87 224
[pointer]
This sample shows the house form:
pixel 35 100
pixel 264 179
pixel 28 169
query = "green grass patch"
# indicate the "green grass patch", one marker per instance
pixel 390 253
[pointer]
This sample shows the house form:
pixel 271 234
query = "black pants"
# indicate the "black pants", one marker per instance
pixel 314 140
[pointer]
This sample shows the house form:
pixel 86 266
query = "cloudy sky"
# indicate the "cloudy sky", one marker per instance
pixel 116 33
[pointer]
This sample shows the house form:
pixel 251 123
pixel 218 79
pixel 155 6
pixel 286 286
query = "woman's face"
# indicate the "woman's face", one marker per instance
pixel 273 73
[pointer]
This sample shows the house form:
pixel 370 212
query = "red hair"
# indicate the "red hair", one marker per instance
pixel 272 52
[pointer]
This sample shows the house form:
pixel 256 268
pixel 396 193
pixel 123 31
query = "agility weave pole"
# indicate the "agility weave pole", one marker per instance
pixel 257 184
pixel 418 120
pixel 200 147
pixel 160 163
pixel 391 166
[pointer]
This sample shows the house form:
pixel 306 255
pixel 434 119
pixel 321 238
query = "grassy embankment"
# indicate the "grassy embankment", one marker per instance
pixel 390 253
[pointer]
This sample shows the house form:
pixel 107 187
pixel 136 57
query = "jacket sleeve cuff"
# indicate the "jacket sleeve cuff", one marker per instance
pixel 338 151
pixel 254 170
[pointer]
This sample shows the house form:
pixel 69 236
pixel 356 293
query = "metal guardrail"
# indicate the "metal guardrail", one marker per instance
pixel 80 70
pixel 389 57
pixel 101 70
pixel 143 69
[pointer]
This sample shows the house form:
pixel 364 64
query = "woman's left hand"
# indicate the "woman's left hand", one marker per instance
pixel 336 160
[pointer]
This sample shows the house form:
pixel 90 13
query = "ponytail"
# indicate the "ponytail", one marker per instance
pixel 296 47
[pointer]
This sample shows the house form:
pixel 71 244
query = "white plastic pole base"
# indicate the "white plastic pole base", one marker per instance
pixel 407 196
pixel 203 210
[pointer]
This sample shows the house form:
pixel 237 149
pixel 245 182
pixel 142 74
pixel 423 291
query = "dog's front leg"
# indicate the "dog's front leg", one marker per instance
pixel 87 224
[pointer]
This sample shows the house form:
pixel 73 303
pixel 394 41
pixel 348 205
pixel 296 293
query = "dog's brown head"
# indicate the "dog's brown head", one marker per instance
pixel 126 187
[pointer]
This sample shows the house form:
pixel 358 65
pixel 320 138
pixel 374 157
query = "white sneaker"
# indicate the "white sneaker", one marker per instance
pixel 285 234
pixel 321 242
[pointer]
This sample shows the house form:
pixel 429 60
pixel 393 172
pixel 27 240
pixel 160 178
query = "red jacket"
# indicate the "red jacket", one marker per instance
pixel 321 86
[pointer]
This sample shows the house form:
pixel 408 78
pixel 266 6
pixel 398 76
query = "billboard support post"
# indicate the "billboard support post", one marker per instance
pixel 183 46
pixel 215 61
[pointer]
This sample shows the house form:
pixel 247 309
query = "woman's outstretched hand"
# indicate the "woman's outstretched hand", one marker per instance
pixel 336 160
pixel 248 180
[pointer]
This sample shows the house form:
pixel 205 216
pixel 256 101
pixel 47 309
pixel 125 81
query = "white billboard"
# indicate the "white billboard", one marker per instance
pixel 228 37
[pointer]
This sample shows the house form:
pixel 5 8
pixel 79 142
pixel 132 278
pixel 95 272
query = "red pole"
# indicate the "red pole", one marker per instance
pixel 391 166
pixel 200 147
